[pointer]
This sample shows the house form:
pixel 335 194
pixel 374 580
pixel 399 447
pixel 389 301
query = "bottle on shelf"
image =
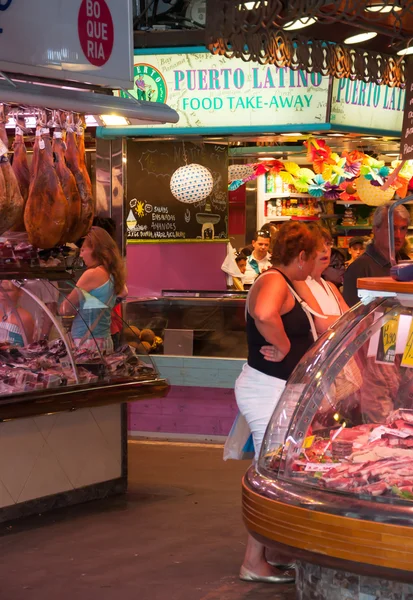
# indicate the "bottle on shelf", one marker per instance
pixel 269 183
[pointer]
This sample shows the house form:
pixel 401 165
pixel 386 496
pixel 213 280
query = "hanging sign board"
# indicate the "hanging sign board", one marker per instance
pixel 356 103
pixel 88 41
pixel 406 139
pixel 153 214
pixel 212 91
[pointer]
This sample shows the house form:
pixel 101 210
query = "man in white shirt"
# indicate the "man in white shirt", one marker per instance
pixel 260 259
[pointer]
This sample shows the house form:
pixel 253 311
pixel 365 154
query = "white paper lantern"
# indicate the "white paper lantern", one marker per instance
pixel 239 172
pixel 191 183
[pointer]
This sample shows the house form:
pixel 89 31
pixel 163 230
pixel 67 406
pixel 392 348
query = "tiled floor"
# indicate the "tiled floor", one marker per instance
pixel 177 535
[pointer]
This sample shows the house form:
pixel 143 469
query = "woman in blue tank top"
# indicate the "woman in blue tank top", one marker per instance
pixel 96 291
pixel 274 318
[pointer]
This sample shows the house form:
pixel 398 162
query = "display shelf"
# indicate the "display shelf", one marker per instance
pixel 291 218
pixel 347 227
pixel 354 202
pixel 275 196
pixel 276 219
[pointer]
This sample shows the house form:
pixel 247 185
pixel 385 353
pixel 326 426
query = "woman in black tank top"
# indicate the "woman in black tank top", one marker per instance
pixel 275 318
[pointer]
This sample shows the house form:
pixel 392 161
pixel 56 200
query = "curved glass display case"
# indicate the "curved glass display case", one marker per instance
pixel 334 480
pixel 345 421
pixel 62 348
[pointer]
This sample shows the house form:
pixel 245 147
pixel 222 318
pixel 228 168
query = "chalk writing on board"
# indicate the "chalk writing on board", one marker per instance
pixel 154 213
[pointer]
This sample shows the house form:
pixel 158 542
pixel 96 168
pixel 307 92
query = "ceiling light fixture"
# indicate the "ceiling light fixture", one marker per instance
pixel 392 153
pixel 251 5
pixel 370 137
pixel 266 158
pixel 380 7
pixel 113 120
pixel 405 51
pixel 360 37
pixel 300 23
pixel 336 134
pixel 291 134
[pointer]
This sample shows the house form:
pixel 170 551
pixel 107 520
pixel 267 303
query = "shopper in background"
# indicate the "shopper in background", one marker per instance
pixel 375 262
pixel 241 261
pixel 321 295
pixel 356 247
pixel 276 318
pixel 334 273
pixel 101 283
pixel 260 259
pixel 14 320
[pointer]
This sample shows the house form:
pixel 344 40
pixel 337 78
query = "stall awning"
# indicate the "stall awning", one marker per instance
pixel 84 101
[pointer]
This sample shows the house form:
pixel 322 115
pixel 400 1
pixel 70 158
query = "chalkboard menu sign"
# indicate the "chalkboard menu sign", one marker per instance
pixel 153 214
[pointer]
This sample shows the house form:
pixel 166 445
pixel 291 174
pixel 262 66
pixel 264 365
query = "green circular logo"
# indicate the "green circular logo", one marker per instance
pixel 149 84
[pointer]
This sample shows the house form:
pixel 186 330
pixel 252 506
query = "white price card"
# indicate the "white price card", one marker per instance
pixel 317 467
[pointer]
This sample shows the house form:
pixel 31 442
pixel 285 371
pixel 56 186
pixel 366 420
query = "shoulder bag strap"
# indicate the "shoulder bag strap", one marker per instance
pixel 330 291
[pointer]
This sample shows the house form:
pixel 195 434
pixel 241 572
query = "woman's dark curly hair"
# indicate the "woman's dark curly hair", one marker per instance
pixel 292 239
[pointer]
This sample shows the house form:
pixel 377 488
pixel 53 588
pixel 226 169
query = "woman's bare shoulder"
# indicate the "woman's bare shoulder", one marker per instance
pixel 93 278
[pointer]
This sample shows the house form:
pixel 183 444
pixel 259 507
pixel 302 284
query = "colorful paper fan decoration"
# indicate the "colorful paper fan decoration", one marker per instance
pixel 372 195
pixel 335 173
pixel 317 187
pixel 290 173
pixel 287 177
pixel 332 191
pixel 191 183
pixel 236 172
pixel 303 179
pixel 318 153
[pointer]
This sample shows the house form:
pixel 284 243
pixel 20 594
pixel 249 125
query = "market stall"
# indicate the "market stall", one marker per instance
pixel 333 483
pixel 63 426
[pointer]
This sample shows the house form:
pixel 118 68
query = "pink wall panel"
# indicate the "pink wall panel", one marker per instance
pixel 193 410
pixel 155 267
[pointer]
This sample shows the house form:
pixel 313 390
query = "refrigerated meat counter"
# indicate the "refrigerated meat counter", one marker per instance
pixel 333 485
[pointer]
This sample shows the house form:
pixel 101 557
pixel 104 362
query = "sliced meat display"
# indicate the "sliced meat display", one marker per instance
pixel 47 209
pixel 73 229
pixel 11 200
pixel 76 161
pixel 381 461
pixel 20 168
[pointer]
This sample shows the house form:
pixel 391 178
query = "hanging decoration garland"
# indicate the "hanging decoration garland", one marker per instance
pixel 350 177
pixel 191 183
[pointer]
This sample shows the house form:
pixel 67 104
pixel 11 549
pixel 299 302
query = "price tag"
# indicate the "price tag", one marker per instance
pixel 386 350
pixel 380 431
pixel 407 360
pixel 308 442
pixel 41 145
pixel 314 467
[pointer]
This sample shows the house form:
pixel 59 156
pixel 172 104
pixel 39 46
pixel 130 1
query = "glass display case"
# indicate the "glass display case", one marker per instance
pixel 345 421
pixel 190 323
pixel 60 347
pixel 333 485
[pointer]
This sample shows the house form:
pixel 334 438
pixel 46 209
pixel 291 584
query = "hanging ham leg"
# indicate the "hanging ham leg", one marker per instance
pixel 12 208
pixel 76 163
pixel 74 228
pixel 47 208
pixel 20 168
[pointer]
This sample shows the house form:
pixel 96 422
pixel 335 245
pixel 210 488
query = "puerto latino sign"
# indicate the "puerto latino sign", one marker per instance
pixel 359 104
pixel 211 91
pixel 149 84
